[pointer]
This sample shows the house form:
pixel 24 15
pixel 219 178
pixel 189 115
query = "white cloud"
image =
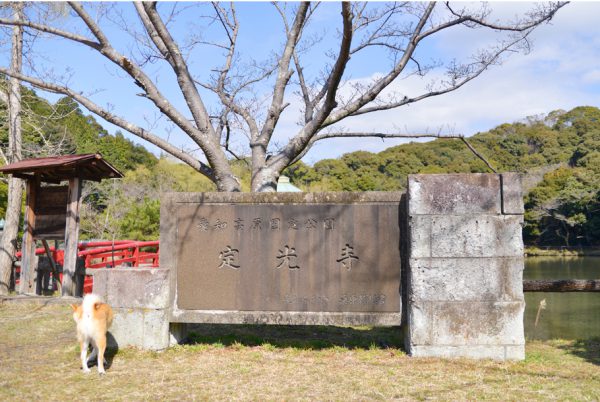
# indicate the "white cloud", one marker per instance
pixel 557 74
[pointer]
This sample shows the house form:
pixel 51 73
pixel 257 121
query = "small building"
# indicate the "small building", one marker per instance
pixel 52 211
pixel 284 186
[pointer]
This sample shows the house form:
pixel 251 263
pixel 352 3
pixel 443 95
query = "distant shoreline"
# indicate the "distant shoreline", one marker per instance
pixel 532 251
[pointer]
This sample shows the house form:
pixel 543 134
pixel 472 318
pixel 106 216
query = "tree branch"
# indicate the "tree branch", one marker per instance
pixel 91 24
pixel 283 76
pixel 383 136
pixel 184 79
pixel 229 100
pixel 484 64
pixel 478 154
pixel 47 29
pixel 382 83
pixel 116 120
pixel 302 140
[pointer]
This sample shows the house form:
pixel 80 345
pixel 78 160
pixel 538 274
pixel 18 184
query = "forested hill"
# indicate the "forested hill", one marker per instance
pixel 559 154
pixel 62 128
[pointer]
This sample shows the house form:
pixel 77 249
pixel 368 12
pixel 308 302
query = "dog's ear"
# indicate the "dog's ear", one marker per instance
pixel 97 305
pixel 74 307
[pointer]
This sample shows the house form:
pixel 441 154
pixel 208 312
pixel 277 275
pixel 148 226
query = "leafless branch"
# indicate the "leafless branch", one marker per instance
pixel 478 154
pixel 116 120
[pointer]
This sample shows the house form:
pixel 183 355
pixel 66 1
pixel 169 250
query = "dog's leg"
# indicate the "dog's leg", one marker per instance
pixel 94 355
pixel 101 347
pixel 84 348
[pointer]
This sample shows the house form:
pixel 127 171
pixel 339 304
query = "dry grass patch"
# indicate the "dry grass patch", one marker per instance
pixel 39 360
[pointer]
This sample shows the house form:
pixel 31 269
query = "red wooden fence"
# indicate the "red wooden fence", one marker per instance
pixel 107 254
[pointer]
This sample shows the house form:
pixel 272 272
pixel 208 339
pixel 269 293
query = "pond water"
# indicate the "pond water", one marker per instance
pixel 570 315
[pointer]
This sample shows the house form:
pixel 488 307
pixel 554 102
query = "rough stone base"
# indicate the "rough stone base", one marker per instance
pixel 495 352
pixel 139 298
pixel 285 318
pixel 143 328
pixel 465 267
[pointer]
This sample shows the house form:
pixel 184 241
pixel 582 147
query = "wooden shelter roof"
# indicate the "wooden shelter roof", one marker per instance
pixel 55 169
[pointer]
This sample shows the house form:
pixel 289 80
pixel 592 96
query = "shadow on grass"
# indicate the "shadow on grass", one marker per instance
pixel 588 349
pixel 296 336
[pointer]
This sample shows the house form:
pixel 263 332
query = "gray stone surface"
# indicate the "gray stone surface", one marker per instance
pixel 467 279
pixel 240 257
pixel 285 318
pixel 133 287
pixel 441 194
pixel 140 300
pixel 476 323
pixel 497 352
pixel 459 236
pixel 512 194
pixel 464 279
pixel 142 328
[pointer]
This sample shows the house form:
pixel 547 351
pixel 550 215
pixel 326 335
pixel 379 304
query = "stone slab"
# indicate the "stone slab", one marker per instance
pixel 512 194
pixel 303 252
pixel 474 193
pixel 494 352
pixel 133 287
pixel 467 279
pixel 143 328
pixel 285 318
pixel 466 323
pixel 459 236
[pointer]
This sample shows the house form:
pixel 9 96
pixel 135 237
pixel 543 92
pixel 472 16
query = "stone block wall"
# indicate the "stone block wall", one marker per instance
pixel 464 280
pixel 139 298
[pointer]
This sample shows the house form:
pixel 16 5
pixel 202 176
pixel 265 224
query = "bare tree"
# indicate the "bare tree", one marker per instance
pixel 329 96
pixel 15 186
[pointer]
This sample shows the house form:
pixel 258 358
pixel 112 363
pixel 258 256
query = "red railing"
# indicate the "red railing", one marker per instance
pixel 108 254
pixel 105 254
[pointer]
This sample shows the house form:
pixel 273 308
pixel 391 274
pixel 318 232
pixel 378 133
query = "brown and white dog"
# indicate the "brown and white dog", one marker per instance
pixel 93 318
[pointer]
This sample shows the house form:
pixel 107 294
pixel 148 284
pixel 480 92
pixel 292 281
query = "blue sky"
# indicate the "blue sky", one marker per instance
pixel 562 71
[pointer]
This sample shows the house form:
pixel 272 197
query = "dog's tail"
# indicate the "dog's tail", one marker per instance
pixel 90 301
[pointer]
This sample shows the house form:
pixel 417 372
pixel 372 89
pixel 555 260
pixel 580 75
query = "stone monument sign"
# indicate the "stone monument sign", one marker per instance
pixel 260 256
pixel 453 244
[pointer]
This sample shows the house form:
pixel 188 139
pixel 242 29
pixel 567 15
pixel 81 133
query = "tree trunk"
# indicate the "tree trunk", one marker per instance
pixel 11 229
pixel 265 180
pixel 15 186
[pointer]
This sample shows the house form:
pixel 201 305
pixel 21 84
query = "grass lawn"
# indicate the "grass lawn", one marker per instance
pixel 39 361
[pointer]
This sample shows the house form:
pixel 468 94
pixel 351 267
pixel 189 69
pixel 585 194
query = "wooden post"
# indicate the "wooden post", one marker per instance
pixel 55 277
pixel 28 248
pixel 71 237
pixel 561 285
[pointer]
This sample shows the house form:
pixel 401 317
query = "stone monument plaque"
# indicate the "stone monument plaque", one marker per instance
pixel 302 252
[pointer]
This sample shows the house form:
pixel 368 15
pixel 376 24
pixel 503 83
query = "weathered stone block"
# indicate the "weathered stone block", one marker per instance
pixel 512 194
pixel 143 328
pixel 459 236
pixel 128 327
pixel 498 352
pixel 303 252
pixel 419 325
pixel 512 352
pixel 419 236
pixel 285 318
pixel 133 287
pixel 471 323
pixel 466 279
pixel 156 330
pixel 454 194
